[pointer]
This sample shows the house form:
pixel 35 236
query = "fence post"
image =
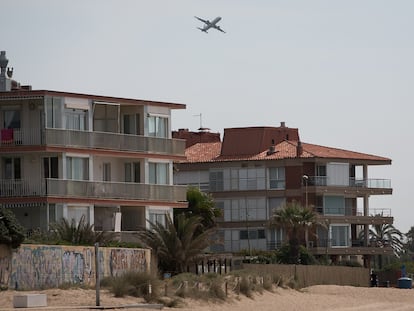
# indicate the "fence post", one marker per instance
pixel 97 275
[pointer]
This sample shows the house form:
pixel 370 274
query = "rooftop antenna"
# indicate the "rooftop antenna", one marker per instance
pixel 202 129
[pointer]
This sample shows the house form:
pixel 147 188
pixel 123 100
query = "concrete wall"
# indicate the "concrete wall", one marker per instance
pixel 45 266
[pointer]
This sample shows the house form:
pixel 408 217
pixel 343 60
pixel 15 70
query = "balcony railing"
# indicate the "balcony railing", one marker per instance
pixel 91 189
pixel 351 182
pixel 94 140
pixel 349 211
pixel 349 243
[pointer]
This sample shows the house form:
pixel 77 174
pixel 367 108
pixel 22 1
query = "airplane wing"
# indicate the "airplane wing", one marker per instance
pixel 218 28
pixel 202 20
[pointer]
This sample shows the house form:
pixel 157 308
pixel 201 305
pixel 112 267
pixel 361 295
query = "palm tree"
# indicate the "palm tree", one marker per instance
pixel 386 234
pixel 200 204
pixel 177 244
pixel 293 218
pixel 410 240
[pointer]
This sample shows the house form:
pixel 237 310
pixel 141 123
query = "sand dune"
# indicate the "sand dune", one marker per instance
pixel 314 298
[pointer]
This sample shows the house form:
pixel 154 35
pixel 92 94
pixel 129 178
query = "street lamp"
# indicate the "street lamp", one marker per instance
pixel 305 179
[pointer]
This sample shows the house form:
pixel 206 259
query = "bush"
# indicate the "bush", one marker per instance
pixel 70 233
pixel 245 287
pixel 134 284
pixel 11 232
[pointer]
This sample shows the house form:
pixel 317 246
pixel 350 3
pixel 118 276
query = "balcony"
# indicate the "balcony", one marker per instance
pixel 91 190
pixel 323 181
pixel 91 140
pixel 349 247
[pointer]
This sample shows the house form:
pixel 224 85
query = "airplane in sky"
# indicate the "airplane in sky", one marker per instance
pixel 208 24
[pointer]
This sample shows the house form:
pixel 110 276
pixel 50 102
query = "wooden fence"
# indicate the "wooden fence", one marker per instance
pixel 306 275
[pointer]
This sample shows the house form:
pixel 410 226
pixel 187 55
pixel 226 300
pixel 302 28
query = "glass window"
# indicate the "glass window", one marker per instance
pixel 252 234
pixel 50 167
pixel 334 205
pixel 340 235
pixel 76 119
pixel 12 119
pixel 76 212
pixel 53 112
pixel 158 217
pixel 158 173
pixel 277 178
pixel 157 126
pixel 133 172
pixel 106 171
pixel 321 170
pixel 11 168
pixel 131 124
pixel 216 181
pixel 105 118
pixel 77 168
pixel 245 209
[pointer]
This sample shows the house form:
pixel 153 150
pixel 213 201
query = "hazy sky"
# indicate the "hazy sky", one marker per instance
pixel 340 71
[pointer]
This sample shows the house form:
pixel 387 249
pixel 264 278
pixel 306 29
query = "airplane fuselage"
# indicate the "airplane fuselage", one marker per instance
pixel 208 24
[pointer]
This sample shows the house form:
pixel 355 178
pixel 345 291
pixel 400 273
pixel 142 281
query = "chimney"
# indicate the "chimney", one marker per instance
pixel 6 73
pixel 282 124
pixel 5 83
pixel 299 149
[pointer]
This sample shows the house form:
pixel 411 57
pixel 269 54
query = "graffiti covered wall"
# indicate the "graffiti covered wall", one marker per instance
pixel 45 266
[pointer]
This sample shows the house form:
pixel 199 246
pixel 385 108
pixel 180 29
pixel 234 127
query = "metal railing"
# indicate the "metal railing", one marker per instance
pixel 94 140
pixel 91 189
pixel 262 183
pixel 349 243
pixel 351 182
pixel 349 211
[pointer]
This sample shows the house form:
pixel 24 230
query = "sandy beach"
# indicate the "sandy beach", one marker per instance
pixel 315 298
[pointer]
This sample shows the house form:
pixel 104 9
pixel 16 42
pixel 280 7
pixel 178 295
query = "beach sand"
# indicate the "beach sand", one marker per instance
pixel 314 298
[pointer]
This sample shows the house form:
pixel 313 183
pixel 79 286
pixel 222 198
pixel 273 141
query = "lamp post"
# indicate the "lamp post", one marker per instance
pixel 305 180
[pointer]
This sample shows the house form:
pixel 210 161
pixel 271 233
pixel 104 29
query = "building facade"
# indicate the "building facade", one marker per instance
pixel 256 170
pixel 68 155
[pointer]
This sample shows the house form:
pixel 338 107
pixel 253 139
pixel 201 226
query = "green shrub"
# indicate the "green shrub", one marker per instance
pixel 245 287
pixel 11 232
pixel 134 284
pixel 70 233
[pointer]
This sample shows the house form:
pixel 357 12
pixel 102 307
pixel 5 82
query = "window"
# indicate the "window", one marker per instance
pixel 157 126
pixel 131 124
pixel 275 204
pixel 76 119
pixel 277 178
pixel 77 168
pixel 106 172
pixel 12 168
pixel 216 181
pixel 252 234
pixel 76 212
pixel 105 118
pixel 158 217
pixel 320 179
pixel 321 170
pixel 53 112
pixel 334 205
pixel 50 167
pixel 244 209
pixel 158 173
pixel 11 119
pixel 340 235
pixel 132 172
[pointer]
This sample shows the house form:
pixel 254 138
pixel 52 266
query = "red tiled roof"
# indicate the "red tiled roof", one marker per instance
pixel 210 152
pixel 203 152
